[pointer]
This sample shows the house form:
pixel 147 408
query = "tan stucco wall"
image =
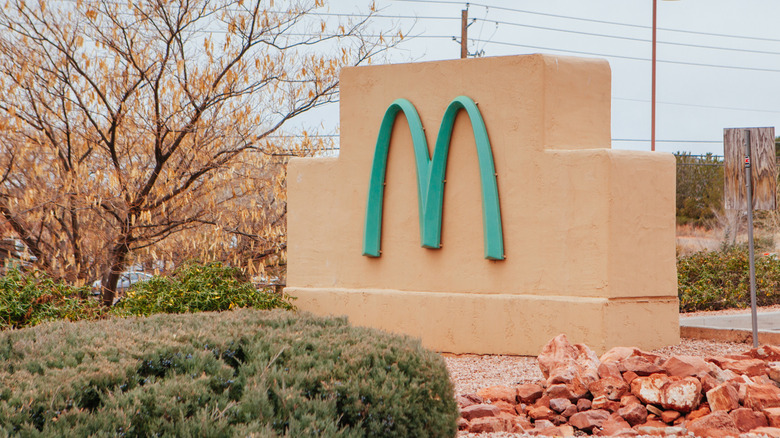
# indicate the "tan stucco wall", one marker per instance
pixel 588 231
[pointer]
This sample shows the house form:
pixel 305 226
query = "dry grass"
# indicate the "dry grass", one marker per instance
pixel 692 239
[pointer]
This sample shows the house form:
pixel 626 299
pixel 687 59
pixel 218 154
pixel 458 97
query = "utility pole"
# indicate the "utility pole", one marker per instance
pixel 464 30
pixel 652 110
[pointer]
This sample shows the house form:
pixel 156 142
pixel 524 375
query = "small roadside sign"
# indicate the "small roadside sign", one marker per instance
pixel 762 162
pixel 751 184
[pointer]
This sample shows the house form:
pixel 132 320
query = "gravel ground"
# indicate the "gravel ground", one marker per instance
pixel 471 372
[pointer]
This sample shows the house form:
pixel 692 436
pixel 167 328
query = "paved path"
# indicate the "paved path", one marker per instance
pixel 767 321
pixel 732 327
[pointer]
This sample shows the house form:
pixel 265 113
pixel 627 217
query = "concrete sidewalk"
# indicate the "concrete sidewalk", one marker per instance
pixel 732 327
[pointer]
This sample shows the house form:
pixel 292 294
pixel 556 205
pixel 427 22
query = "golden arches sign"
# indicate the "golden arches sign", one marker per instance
pixel 430 177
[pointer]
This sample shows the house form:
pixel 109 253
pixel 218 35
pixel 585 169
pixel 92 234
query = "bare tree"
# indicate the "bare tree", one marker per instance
pixel 134 128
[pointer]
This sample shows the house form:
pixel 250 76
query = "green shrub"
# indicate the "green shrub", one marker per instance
pixel 28 299
pixel 198 288
pixel 240 373
pixel 699 188
pixel 721 280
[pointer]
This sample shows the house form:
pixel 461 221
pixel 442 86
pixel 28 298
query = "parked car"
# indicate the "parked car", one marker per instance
pixel 126 280
pixel 14 254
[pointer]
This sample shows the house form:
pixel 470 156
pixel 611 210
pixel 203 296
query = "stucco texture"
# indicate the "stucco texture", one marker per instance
pixel 588 231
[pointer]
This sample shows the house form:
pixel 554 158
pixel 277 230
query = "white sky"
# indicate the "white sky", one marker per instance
pixel 737 83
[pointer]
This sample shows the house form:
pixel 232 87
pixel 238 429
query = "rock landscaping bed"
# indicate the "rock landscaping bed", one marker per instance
pixel 698 388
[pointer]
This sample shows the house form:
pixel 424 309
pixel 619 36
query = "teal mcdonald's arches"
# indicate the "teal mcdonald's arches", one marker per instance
pixel 430 177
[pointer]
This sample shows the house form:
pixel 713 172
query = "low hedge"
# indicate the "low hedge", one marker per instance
pixel 240 373
pixel 28 299
pixel 196 287
pixel 721 280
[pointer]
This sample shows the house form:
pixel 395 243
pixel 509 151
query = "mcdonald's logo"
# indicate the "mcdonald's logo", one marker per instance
pixel 430 177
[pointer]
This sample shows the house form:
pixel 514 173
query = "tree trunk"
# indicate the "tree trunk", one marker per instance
pixel 117 261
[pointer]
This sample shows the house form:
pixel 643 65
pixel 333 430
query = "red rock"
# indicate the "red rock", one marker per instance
pixel 629 376
pixel 652 427
pixel 521 409
pixel 524 422
pixel 584 404
pixel 681 394
pixel 568 412
pixel 560 404
pixel 773 432
pixel 634 413
pixel 669 417
pixel 716 424
pixel 462 423
pixel 615 425
pixel 463 401
pixel 611 387
pixel 708 382
pixel 723 397
pixel 547 431
pixel 760 397
pixel 617 354
pixel 741 356
pixel 479 411
pixel 529 392
pixel 609 369
pixel 560 390
pixel 720 374
pixel 772 416
pixel 514 423
pixel 576 366
pixel 652 410
pixel 698 413
pixel 509 408
pixel 587 420
pixel 487 424
pixel 603 403
pixel 543 424
pixel 684 366
pixel 540 413
pixel 748 367
pixel 495 393
pixel 748 419
pixel 640 365
pixel 629 399
pixel 762 380
pixel 543 401
pixel 566 430
pixel 767 353
pixel 774 370
pixel 648 389
pixel 558 420
pixel 742 392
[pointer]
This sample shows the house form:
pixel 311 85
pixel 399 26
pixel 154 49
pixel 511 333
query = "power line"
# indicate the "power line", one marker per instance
pixel 589 20
pixel 626 38
pixel 668 141
pixel 633 58
pixel 700 106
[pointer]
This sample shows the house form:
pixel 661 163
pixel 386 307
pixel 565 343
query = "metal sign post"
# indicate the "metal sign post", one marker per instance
pixel 750 184
pixel 748 178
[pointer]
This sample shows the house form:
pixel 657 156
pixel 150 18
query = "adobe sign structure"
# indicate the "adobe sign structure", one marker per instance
pixel 519 224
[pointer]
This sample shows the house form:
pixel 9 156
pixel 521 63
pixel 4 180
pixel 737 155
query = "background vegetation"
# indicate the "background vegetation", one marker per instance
pixel 240 373
pixel 699 189
pixel 30 298
pixel 150 133
pixel 198 288
pixel 720 280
